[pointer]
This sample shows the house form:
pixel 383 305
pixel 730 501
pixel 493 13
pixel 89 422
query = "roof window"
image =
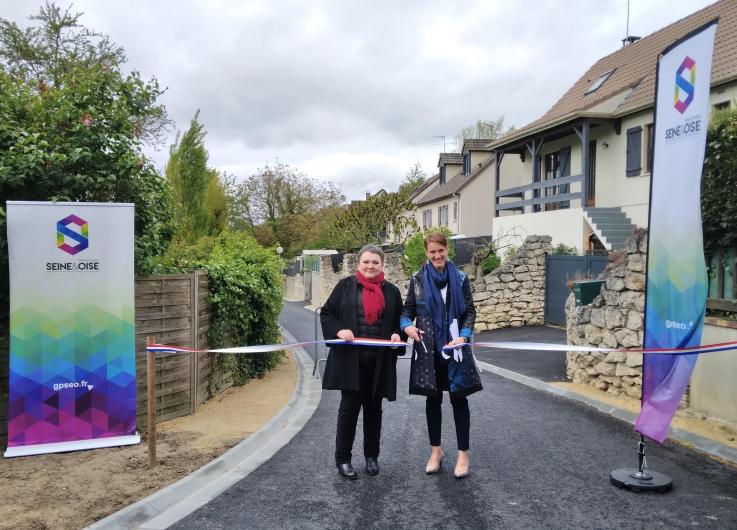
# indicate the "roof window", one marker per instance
pixel 600 81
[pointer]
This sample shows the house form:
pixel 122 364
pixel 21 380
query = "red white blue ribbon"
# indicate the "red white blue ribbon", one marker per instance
pixel 506 345
pixel 266 348
pixel 542 346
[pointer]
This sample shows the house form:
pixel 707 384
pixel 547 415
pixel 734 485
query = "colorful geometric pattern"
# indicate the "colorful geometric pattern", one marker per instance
pixel 81 237
pixel 684 85
pixel 72 376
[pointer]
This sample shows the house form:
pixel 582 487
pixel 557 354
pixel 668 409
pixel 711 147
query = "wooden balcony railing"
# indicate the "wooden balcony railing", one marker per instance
pixel 521 192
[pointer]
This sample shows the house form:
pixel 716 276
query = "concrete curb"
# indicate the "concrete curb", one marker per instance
pixel 701 443
pixel 176 501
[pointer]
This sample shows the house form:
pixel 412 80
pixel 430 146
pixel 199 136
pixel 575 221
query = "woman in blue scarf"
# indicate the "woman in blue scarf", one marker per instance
pixel 440 304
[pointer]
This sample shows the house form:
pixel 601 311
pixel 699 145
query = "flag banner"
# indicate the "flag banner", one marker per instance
pixel 676 271
pixel 72 382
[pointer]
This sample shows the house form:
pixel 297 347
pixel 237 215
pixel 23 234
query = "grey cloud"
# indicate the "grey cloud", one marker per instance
pixel 361 87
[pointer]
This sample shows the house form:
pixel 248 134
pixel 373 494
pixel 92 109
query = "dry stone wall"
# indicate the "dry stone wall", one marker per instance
pixel 393 272
pixel 613 320
pixel 514 294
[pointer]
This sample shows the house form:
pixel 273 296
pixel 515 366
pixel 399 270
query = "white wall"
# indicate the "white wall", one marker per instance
pixel 478 158
pixel 613 186
pixel 316 286
pixel 477 204
pixel 564 226
pixel 713 383
pixel 294 288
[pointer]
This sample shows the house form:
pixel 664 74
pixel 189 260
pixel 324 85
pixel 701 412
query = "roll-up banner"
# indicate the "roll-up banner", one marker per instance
pixel 676 271
pixel 72 378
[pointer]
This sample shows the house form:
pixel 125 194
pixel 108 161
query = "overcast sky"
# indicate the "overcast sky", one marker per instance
pixel 355 92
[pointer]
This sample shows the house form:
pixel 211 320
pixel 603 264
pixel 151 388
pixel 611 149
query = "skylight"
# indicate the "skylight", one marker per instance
pixel 600 81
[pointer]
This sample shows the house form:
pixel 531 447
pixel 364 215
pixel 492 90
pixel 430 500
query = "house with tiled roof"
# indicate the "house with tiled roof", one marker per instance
pixel 463 192
pixel 581 172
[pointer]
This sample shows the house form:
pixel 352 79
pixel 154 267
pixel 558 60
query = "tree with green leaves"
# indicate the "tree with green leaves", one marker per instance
pixel 52 53
pixel 413 179
pixel 280 204
pixel 72 128
pixel 72 125
pixel 367 221
pixel 718 203
pixel 199 194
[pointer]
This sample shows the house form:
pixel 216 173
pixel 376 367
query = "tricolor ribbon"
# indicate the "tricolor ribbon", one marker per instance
pixel 506 345
pixel 266 348
pixel 542 346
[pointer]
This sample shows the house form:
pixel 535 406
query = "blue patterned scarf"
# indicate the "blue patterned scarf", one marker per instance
pixel 434 282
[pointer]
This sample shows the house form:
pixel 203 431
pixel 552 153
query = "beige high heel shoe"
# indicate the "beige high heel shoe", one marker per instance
pixel 462 474
pixel 435 470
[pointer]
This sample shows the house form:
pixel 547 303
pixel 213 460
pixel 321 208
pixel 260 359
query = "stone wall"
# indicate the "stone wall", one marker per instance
pixel 613 320
pixel 393 272
pixel 514 294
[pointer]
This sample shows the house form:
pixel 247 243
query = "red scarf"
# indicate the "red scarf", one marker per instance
pixel 373 297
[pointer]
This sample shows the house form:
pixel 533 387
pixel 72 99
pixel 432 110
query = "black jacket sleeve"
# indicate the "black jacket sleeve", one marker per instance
pixel 409 311
pixel 398 314
pixel 469 317
pixel 331 314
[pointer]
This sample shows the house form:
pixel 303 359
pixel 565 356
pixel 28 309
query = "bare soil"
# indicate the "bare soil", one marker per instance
pixel 73 490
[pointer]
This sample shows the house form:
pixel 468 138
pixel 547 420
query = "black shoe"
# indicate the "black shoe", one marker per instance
pixel 372 466
pixel 347 471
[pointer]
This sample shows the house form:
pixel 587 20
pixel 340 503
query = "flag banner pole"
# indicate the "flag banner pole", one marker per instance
pixel 675 296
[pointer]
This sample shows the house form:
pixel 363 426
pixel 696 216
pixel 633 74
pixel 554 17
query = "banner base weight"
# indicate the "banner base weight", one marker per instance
pixel 630 479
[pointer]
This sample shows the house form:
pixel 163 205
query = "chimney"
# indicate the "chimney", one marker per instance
pixel 631 39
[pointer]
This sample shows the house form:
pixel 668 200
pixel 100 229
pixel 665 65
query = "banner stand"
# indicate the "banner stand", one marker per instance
pixel 76 445
pixel 641 478
pixel 72 359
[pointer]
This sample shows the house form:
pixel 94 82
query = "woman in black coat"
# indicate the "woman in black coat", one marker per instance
pixel 439 298
pixel 365 306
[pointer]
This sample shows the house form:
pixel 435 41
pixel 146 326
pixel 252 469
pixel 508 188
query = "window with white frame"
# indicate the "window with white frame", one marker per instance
pixel 426 219
pixel 443 215
pixel 455 211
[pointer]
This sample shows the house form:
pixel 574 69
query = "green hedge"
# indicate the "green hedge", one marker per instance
pixel 246 289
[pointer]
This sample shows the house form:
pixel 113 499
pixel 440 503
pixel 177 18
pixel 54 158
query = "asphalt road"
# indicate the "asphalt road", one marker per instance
pixel 537 461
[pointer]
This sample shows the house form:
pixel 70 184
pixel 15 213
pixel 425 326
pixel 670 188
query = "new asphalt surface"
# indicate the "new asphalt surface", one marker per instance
pixel 537 461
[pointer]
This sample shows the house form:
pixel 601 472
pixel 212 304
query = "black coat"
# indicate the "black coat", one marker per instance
pixel 339 312
pixel 463 377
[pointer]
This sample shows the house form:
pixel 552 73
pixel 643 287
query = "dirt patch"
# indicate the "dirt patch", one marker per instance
pixel 73 490
pixel 703 427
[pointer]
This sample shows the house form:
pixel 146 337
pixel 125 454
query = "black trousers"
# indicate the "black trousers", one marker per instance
pixel 434 413
pixel 351 403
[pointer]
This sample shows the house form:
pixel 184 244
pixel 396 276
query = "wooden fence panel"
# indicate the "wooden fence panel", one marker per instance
pixel 163 297
pixel 173 309
pixel 170 308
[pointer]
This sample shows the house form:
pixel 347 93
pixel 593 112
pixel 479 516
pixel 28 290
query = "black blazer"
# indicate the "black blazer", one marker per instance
pixel 339 312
